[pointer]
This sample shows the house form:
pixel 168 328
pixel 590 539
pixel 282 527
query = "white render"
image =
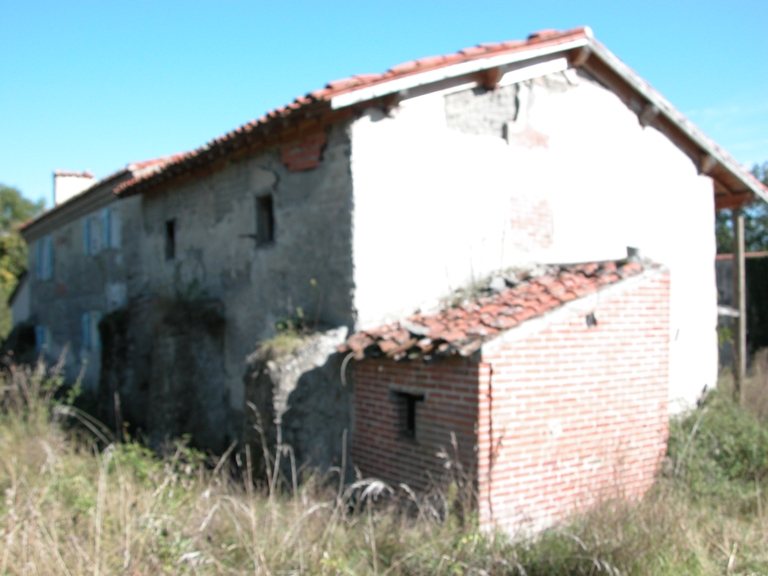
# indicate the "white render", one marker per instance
pixel 67 185
pixel 433 206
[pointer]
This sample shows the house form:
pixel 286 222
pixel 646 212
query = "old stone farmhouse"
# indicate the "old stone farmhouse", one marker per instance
pixel 442 187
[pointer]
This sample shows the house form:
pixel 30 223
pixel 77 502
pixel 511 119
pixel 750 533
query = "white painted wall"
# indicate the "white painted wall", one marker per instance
pixel 434 207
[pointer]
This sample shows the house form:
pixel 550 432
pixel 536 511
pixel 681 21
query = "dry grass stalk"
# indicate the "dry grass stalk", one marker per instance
pixel 74 503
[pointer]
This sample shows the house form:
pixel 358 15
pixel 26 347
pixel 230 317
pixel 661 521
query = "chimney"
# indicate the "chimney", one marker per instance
pixel 67 184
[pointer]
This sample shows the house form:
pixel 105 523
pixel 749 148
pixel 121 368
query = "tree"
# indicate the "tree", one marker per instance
pixel 14 210
pixel 755 222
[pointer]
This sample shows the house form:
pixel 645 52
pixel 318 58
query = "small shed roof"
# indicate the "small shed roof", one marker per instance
pixel 462 329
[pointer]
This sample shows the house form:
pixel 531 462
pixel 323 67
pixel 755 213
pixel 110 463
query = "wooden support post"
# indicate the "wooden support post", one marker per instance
pixel 740 303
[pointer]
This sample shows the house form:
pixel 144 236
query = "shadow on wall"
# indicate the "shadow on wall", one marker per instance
pixel 20 345
pixel 757 305
pixel 298 400
pixel 163 374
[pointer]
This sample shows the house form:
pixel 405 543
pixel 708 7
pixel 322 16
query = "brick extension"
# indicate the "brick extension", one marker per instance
pixel 548 417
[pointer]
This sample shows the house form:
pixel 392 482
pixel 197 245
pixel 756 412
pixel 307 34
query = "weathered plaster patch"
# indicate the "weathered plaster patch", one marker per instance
pixel 532 224
pixel 116 294
pixel 481 111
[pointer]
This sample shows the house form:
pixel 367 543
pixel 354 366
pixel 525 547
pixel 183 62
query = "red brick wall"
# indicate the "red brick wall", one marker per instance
pixel 574 412
pixel 450 390
pixel 577 413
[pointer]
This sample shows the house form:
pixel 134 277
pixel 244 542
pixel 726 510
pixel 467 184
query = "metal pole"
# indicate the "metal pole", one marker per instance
pixel 740 303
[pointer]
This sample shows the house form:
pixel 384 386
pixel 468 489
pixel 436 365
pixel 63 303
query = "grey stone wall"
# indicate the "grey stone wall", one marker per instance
pixel 304 395
pixel 195 374
pixel 481 111
pixel 83 283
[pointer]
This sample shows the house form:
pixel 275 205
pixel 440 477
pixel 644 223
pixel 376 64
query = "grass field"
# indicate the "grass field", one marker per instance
pixel 76 504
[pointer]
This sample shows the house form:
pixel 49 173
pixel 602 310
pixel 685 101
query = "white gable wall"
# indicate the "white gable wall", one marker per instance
pixel 579 180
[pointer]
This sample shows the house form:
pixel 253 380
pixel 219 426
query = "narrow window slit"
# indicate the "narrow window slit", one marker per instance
pixel 407 408
pixel 170 239
pixel 265 220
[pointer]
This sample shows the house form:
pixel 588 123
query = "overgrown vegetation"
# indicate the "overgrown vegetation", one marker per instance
pixel 14 211
pixel 755 221
pixel 75 503
pixel 292 330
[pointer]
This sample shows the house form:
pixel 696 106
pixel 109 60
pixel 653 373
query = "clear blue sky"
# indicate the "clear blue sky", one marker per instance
pixel 95 85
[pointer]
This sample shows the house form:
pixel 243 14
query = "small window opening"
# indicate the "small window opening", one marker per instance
pixel 265 220
pixel 408 413
pixel 591 320
pixel 170 239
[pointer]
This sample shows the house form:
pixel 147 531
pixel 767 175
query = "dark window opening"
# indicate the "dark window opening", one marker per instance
pixel 265 220
pixel 407 411
pixel 591 320
pixel 170 239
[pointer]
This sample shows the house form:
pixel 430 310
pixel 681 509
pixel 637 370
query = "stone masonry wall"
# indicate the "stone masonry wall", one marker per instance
pixel 84 283
pixel 305 270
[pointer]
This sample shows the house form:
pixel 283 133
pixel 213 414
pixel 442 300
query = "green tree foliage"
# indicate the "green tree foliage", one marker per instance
pixel 755 222
pixel 14 210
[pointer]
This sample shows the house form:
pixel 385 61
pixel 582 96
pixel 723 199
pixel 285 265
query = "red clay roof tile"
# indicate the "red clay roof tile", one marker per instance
pixel 342 85
pixel 462 329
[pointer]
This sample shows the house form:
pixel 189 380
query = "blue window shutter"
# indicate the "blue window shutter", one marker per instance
pixel 95 336
pixel 106 220
pixel 39 259
pixel 39 337
pixel 86 235
pixel 115 228
pixel 49 259
pixel 86 327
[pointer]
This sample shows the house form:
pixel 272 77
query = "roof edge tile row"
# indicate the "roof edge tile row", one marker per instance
pixel 463 328
pixel 248 135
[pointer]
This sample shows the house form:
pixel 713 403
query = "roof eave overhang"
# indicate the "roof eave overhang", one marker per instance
pixel 734 185
pixel 273 131
pixel 448 72
pixel 88 200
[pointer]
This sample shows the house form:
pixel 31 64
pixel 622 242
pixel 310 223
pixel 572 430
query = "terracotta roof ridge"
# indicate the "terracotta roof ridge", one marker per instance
pixel 272 128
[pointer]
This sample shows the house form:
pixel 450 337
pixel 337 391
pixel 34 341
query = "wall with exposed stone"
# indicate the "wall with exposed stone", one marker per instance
pixel 94 281
pixel 306 270
pixel 300 399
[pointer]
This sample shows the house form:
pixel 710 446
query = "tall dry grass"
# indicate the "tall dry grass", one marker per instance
pixel 76 503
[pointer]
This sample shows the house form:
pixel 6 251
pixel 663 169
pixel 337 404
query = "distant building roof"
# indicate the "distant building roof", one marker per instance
pixel 746 255
pixel 133 169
